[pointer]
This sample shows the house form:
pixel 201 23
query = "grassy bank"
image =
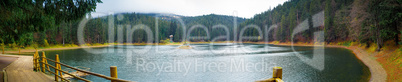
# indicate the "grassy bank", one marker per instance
pixel 29 50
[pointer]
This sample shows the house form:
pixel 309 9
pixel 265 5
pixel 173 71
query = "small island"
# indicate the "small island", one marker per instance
pixel 185 46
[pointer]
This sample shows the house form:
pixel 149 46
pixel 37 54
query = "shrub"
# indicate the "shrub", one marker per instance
pixel 45 43
pixel 354 43
pixel 35 45
pixel 13 46
pixel 165 41
pixel 347 43
pixel 372 48
pixel 2 45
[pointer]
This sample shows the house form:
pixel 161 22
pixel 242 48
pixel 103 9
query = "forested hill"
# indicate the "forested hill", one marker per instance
pixel 209 21
pixel 214 18
pixel 97 31
pixel 287 16
pixel 364 21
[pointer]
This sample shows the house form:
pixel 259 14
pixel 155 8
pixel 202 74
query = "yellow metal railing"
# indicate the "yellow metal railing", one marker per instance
pixel 58 73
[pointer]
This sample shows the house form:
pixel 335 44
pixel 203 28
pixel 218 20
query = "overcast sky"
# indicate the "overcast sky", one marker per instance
pixel 244 8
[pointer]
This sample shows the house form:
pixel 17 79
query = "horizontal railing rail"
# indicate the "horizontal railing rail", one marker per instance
pixel 65 73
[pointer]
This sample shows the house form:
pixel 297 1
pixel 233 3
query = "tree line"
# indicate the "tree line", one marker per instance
pixel 20 20
pixel 97 30
pixel 161 27
pixel 364 21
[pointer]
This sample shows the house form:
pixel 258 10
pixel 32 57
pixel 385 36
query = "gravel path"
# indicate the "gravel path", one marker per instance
pixel 378 73
pixel 4 62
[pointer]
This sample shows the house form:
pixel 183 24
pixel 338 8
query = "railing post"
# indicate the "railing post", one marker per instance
pixel 37 61
pixel 19 50
pixel 59 67
pixel 3 49
pixel 276 76
pixel 113 72
pixel 34 60
pixel 43 62
pixel 277 72
pixel 46 62
pixel 56 71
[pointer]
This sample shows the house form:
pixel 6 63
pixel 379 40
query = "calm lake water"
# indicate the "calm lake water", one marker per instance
pixel 214 63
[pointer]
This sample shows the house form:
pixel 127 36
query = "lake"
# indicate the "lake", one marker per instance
pixel 214 63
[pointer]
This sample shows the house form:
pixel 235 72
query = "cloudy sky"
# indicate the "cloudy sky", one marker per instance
pixel 244 8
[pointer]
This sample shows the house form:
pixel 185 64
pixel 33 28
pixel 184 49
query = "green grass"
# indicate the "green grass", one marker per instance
pixel 346 43
pixel 12 47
